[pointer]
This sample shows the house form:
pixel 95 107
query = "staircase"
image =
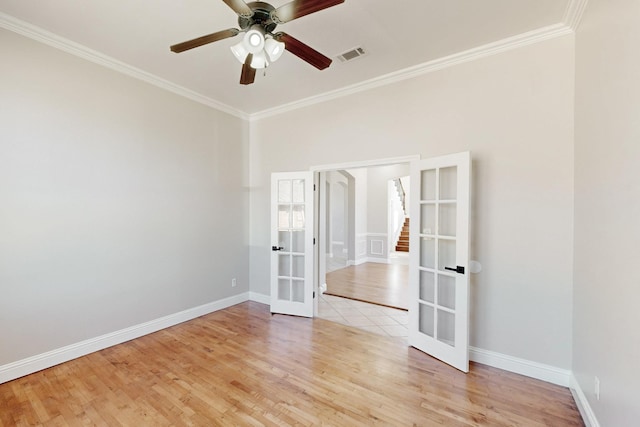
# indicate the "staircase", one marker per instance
pixel 403 240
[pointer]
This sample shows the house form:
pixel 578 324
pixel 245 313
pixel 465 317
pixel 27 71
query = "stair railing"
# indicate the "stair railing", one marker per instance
pixel 401 193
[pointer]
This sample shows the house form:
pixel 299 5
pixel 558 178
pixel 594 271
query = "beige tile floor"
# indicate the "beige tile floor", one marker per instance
pixel 369 317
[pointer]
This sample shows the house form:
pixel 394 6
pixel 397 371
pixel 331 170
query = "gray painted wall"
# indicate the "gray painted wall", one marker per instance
pixel 119 202
pixel 606 301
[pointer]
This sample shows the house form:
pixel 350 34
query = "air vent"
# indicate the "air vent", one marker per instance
pixel 352 54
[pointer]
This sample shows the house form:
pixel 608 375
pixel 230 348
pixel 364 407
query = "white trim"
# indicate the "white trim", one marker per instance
pixel 375 260
pixel 588 416
pixel 365 163
pixel 43 36
pixel 520 40
pixel 572 17
pixel 376 242
pixel 525 367
pixel 323 288
pixel 51 358
pixel 574 12
pixel 376 235
pixel 261 298
pixel 361 247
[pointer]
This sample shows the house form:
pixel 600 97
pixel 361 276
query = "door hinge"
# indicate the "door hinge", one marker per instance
pixel 314 240
pixel 314 187
pixel 314 294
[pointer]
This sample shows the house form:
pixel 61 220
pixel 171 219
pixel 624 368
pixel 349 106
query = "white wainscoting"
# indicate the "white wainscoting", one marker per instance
pixel 377 245
pixel 361 249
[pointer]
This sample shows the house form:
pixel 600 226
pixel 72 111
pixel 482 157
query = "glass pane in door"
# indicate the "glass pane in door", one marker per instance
pixel 427 286
pixel 284 289
pixel 297 290
pixel 427 252
pixel 428 218
pixel 446 254
pixel 284 265
pixel 297 243
pixel 447 291
pixel 448 183
pixel 446 327
pixel 426 319
pixel 284 191
pixel 284 240
pixel 447 219
pixel 284 217
pixel 297 220
pixel 428 185
pixel 297 266
pixel 298 191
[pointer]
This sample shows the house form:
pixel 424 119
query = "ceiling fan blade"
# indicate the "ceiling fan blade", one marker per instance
pixel 248 74
pixel 299 8
pixel 239 7
pixel 210 38
pixel 303 51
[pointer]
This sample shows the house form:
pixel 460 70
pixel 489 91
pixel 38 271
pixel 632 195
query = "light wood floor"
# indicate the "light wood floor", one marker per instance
pixel 382 284
pixel 242 366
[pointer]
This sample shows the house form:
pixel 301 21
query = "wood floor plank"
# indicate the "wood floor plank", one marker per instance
pixel 382 284
pixel 243 366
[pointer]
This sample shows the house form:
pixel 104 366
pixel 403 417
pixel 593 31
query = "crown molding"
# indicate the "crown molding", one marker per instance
pixel 483 51
pixel 36 33
pixel 574 12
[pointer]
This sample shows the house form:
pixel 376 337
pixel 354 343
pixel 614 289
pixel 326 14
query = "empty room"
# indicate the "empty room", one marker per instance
pixel 167 177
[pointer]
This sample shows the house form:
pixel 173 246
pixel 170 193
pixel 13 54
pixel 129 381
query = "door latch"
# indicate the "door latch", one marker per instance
pixel 457 269
pixel 276 248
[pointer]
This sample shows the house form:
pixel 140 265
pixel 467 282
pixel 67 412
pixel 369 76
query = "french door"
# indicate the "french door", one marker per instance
pixel 439 258
pixel 292 227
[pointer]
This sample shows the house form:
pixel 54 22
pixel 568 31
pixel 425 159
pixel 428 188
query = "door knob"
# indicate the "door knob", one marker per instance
pixel 457 269
pixel 276 248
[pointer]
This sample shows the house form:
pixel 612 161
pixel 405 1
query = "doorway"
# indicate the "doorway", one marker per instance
pixel 439 276
pixel 360 224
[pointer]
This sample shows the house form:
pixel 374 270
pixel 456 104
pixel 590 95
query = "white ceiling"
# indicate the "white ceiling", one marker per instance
pixel 397 34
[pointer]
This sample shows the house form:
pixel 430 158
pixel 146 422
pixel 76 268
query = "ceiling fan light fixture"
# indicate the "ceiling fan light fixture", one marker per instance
pixel 259 61
pixel 253 41
pixel 259 45
pixel 274 49
pixel 239 52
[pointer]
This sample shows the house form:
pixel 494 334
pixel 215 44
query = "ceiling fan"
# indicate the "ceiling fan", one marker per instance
pixel 260 45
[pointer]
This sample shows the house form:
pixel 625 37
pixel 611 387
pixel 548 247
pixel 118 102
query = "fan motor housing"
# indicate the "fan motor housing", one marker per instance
pixel 261 16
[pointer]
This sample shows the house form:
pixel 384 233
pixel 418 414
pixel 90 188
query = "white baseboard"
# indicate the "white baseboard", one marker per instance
pixel 588 416
pixel 261 298
pixel 51 358
pixel 525 367
pixel 377 260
